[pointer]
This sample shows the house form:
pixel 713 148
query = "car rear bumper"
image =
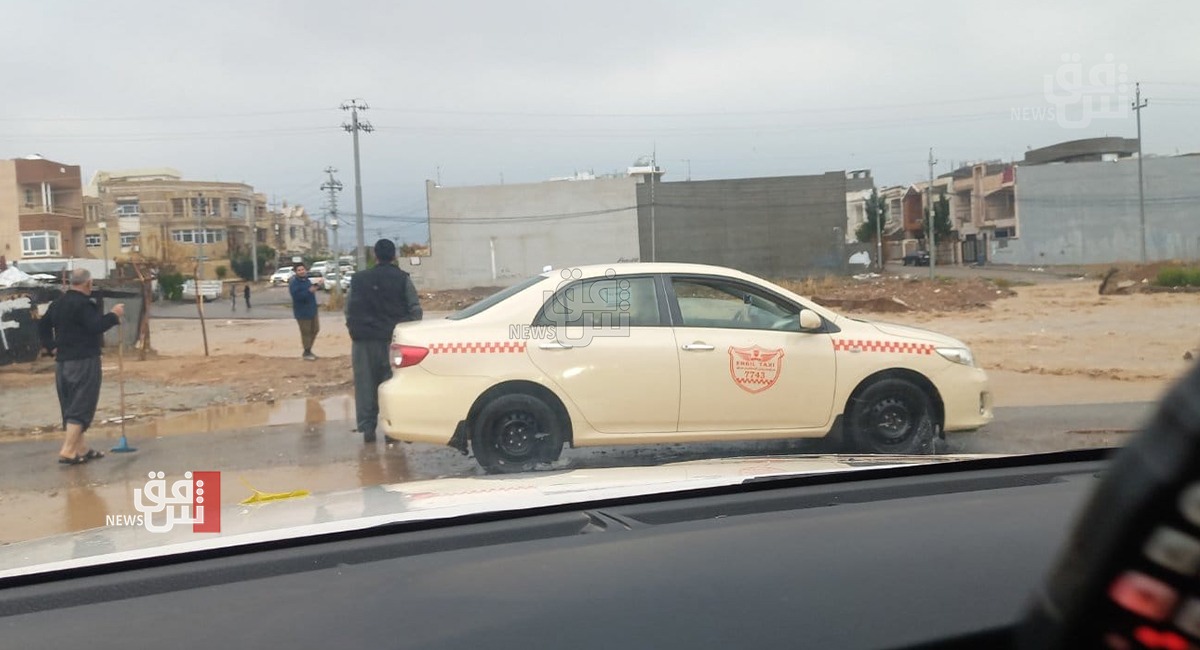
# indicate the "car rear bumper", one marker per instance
pixel 967 398
pixel 419 406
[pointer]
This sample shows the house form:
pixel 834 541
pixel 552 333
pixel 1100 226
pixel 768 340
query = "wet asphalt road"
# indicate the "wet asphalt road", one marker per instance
pixel 40 498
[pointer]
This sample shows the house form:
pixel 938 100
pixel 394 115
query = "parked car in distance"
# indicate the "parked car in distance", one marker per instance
pixel 282 275
pixel 918 258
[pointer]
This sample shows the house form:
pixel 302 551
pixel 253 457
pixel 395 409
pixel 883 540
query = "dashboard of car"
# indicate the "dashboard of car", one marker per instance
pixel 934 556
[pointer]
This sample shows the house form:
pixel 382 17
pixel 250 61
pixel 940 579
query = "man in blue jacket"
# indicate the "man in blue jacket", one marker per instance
pixel 72 330
pixel 304 309
pixel 379 299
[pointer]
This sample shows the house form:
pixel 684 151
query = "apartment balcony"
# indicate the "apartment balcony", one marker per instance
pixel 69 211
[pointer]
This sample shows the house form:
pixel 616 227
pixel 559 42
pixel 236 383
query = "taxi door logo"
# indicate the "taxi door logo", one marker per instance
pixel 195 500
pixel 755 369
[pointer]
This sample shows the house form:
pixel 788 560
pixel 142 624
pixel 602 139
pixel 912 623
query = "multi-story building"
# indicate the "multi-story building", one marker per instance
pixel 157 214
pixel 41 209
pixel 291 231
pixel 983 207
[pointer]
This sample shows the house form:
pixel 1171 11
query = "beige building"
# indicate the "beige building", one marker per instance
pixel 161 217
pixel 41 209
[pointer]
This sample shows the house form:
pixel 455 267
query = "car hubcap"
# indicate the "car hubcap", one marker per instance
pixel 892 419
pixel 516 434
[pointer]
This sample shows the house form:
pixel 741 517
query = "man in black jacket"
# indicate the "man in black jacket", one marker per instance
pixel 379 298
pixel 72 330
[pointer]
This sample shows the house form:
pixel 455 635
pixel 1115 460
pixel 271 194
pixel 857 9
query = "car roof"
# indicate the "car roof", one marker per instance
pixel 597 270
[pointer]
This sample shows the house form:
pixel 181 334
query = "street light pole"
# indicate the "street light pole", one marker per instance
pixel 199 238
pixel 878 229
pixel 932 220
pixel 104 236
pixel 254 239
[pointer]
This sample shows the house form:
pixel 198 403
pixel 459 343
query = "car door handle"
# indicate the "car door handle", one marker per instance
pixel 698 347
pixel 555 346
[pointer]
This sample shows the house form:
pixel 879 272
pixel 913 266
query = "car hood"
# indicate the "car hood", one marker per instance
pixel 419 500
pixel 916 333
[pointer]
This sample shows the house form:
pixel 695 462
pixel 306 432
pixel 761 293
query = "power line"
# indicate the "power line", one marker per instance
pixel 794 111
pixel 141 118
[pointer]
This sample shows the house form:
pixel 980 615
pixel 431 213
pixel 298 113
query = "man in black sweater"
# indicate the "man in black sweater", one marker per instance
pixel 72 331
pixel 379 298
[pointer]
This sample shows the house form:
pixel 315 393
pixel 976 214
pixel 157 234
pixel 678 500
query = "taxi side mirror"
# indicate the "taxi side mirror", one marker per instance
pixel 809 320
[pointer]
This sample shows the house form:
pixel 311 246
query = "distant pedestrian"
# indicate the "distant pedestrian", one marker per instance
pixel 233 296
pixel 246 293
pixel 72 331
pixel 304 309
pixel 379 299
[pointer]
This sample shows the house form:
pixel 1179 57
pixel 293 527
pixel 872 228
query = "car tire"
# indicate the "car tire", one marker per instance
pixel 892 416
pixel 514 433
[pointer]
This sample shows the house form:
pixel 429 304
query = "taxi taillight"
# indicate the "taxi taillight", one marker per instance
pixel 407 355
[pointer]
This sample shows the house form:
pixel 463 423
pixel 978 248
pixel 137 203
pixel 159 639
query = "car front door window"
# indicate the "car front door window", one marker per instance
pixel 727 305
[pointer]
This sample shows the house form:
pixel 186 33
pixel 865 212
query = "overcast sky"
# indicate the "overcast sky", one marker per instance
pixel 522 91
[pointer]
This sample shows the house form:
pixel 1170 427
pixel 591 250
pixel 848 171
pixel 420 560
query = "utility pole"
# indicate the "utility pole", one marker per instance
pixel 354 106
pixel 932 229
pixel 333 186
pixel 1138 105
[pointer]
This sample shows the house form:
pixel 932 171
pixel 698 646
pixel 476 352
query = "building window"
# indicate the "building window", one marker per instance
pixel 215 207
pixel 41 243
pixel 28 197
pixel 238 209
pixel 1005 233
pixel 92 241
pixel 177 208
pixel 204 235
pixel 291 232
pixel 128 208
pixel 128 239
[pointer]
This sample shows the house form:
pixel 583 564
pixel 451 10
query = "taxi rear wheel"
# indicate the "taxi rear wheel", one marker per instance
pixel 892 416
pixel 515 432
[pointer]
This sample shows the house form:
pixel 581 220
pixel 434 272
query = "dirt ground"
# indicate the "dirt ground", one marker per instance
pixel 1112 347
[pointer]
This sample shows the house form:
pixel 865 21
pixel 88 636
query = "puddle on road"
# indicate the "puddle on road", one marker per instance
pixel 83 503
pixel 294 411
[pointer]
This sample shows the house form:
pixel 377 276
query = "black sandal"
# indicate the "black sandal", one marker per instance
pixel 92 454
pixel 78 460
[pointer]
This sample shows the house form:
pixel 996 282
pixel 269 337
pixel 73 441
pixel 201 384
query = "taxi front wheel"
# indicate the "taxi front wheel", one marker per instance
pixel 892 416
pixel 515 432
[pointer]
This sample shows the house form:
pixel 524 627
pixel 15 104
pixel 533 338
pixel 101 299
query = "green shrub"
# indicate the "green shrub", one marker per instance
pixel 171 285
pixel 1178 276
pixel 222 272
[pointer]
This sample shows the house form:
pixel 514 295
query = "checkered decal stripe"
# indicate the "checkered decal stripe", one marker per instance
pixel 894 347
pixel 486 347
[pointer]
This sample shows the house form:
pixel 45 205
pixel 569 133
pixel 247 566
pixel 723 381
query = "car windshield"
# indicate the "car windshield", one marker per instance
pixel 594 248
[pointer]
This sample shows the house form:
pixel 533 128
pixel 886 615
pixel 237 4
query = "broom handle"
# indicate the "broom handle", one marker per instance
pixel 121 370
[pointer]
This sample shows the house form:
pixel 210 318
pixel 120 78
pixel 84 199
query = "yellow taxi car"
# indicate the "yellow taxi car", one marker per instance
pixel 644 353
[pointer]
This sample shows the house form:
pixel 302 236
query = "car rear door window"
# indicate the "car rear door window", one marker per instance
pixel 604 302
